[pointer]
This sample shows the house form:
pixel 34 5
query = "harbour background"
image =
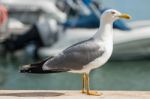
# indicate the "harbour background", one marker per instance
pixel 115 75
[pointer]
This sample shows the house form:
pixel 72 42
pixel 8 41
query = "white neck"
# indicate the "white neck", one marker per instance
pixel 105 31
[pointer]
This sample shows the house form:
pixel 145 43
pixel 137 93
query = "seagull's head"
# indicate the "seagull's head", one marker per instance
pixel 111 15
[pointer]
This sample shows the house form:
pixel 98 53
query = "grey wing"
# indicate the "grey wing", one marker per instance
pixel 75 57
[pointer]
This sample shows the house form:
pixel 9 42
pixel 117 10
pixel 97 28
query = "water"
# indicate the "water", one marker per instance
pixel 127 75
pixel 115 75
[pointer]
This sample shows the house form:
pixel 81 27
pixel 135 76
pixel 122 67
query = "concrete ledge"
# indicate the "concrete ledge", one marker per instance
pixel 46 94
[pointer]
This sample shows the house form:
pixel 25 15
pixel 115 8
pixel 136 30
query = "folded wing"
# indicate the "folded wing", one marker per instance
pixel 76 56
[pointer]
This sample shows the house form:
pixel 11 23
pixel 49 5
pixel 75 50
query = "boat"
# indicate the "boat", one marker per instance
pixel 28 11
pixel 128 45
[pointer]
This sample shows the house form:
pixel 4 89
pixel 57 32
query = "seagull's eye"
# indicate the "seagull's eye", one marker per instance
pixel 112 12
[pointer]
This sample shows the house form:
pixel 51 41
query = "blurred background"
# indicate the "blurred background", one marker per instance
pixel 31 31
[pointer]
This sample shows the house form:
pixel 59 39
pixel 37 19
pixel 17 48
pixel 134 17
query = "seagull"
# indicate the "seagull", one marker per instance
pixel 84 56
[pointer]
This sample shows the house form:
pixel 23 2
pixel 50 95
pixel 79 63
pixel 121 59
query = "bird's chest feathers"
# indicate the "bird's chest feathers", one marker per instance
pixel 108 47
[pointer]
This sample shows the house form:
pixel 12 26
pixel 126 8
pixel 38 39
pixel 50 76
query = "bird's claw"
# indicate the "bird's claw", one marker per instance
pixel 94 93
pixel 83 91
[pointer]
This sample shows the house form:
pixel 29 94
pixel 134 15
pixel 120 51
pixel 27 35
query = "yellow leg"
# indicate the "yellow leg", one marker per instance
pixel 83 83
pixel 88 91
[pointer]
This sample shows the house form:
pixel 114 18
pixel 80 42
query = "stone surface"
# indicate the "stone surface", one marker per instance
pixel 50 94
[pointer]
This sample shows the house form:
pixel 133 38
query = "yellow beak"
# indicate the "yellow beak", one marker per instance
pixel 125 16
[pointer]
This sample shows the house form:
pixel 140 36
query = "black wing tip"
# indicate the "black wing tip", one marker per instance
pixel 38 70
pixel 31 69
pixel 25 69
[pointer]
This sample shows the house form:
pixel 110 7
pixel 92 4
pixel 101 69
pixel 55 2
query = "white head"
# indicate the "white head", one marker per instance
pixel 111 15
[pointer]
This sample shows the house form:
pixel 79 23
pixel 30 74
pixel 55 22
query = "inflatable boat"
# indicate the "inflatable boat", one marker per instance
pixel 132 44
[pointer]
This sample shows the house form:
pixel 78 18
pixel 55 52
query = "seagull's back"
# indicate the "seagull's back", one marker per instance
pixel 76 57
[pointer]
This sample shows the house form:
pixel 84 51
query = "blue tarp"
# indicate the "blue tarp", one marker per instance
pixel 91 21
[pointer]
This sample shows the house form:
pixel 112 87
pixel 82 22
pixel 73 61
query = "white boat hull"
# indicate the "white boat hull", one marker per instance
pixel 134 44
